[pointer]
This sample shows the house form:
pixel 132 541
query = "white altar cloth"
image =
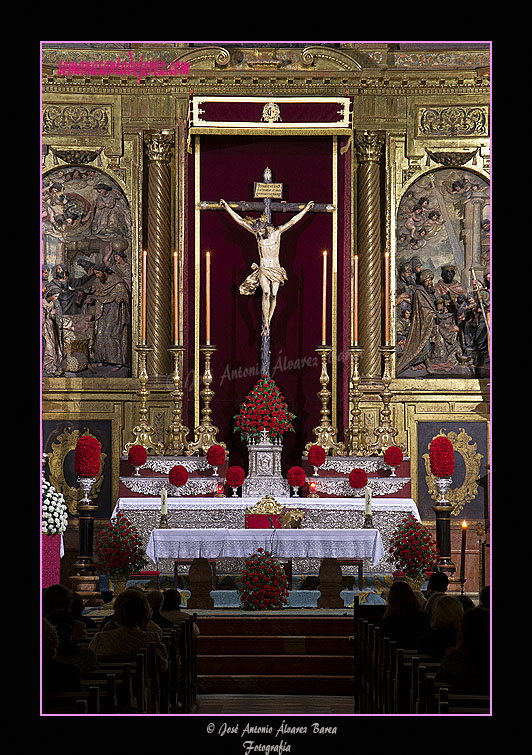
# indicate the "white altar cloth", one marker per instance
pixel 283 543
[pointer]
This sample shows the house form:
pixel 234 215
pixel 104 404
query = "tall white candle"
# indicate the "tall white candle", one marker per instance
pixel 367 495
pixel 164 504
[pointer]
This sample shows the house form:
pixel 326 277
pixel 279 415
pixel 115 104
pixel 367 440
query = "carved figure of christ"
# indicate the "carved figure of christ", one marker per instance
pixel 269 274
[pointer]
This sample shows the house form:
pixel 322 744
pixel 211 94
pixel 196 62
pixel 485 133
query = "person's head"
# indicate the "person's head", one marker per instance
pixel 171 600
pixel 63 621
pixel 438 582
pixel 401 599
pixel 474 631
pixel 56 597
pixel 131 609
pixel 155 599
pixel 446 613
pixel 484 597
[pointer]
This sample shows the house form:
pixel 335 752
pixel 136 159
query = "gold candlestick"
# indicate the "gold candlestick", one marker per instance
pixel 325 432
pixel 205 432
pixel 356 433
pixel 385 433
pixel 143 432
pixel 176 441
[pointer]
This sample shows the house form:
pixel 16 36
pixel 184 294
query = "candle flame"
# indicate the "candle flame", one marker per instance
pixel 464 524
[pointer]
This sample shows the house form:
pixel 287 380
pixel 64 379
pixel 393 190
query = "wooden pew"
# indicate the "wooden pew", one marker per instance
pixel 459 703
pixel 72 703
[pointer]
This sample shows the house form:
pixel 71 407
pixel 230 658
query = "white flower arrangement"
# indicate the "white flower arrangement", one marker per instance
pixel 54 510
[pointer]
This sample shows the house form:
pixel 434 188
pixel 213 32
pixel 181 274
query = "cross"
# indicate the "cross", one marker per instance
pixel 268 192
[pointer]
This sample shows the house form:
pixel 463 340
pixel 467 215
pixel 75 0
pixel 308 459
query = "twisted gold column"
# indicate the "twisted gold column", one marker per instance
pixel 369 149
pixel 159 146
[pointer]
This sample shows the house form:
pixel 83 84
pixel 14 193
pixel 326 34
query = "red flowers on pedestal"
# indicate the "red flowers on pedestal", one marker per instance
pixel 216 455
pixel 119 552
pixel 296 477
pixel 264 584
pixel 393 456
pixel 413 548
pixel 441 457
pixel 235 477
pixel 316 456
pixel 87 457
pixel 178 476
pixel 137 456
pixel 358 478
pixel 264 409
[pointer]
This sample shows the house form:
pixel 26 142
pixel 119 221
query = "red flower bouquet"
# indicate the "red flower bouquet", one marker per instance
pixel 358 478
pixel 264 584
pixel 412 547
pixel 216 455
pixel 118 551
pixel 441 457
pixel 87 457
pixel 264 409
pixel 235 477
pixel 296 477
pixel 393 456
pixel 316 456
pixel 137 456
pixel 178 476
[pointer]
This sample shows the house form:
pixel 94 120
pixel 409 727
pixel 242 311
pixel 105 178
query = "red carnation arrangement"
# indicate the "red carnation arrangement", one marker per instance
pixel 235 477
pixel 441 456
pixel 412 547
pixel 118 551
pixel 264 584
pixel 296 477
pixel 137 456
pixel 393 456
pixel 178 476
pixel 87 457
pixel 358 478
pixel 264 408
pixel 316 456
pixel 216 455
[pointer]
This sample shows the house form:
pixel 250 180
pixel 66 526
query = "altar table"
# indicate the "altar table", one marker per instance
pixel 199 545
pixel 320 514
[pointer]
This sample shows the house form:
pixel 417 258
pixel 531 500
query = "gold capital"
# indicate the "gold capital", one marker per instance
pixel 159 145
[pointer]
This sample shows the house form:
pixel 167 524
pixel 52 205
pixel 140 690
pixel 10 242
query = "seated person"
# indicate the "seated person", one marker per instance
pixel 466 667
pixel 57 676
pixel 445 619
pixel 171 609
pixel 155 599
pixel 404 621
pixel 68 650
pixel 128 635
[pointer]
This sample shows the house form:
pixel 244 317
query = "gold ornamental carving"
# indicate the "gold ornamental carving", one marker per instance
pixel 453 121
pixel 78 119
pixel 467 448
pixel 267 505
pixel 61 447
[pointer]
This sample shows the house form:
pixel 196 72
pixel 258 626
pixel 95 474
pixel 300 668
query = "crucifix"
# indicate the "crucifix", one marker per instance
pixel 268 274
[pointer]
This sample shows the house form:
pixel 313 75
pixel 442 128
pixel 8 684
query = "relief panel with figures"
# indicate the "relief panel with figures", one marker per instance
pixel 86 274
pixel 443 276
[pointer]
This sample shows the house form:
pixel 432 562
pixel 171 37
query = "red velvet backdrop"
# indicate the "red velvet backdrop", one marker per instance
pixel 229 167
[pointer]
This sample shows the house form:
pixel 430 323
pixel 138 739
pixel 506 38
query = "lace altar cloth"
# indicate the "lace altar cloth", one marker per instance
pixel 237 543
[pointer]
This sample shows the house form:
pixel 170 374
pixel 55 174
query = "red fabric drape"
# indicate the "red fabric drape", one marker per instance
pixel 229 167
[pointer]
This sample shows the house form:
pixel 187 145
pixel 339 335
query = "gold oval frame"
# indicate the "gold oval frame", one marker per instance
pixel 64 443
pixel 467 448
